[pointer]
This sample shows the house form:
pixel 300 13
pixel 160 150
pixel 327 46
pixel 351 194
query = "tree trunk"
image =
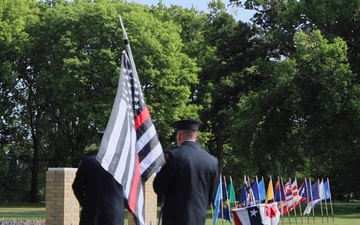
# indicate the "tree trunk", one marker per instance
pixel 35 172
pixel 220 151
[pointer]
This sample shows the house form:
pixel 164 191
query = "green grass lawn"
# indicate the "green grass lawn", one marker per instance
pixel 344 214
pixel 22 210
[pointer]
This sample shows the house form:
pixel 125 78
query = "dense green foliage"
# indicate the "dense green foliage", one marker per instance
pixel 276 96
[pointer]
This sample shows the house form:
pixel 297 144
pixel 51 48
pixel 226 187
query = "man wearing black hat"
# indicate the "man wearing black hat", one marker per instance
pixel 188 180
pixel 99 194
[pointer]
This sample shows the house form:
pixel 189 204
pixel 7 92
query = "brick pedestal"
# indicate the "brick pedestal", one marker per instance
pixel 62 208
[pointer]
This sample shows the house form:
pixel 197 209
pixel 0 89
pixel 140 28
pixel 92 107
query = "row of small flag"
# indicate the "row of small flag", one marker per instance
pixel 287 195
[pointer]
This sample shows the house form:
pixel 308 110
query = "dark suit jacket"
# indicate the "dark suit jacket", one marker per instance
pixel 100 196
pixel 188 183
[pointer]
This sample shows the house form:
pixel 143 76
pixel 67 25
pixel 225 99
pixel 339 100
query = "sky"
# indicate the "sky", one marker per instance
pixel 201 5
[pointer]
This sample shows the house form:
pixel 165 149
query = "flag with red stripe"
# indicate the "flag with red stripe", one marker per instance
pixel 130 149
pixel 284 205
pixel 295 196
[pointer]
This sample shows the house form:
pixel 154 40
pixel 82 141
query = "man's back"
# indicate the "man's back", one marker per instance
pixel 100 196
pixel 188 182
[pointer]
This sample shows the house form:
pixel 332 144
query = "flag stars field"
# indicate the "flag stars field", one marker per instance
pixel 253 212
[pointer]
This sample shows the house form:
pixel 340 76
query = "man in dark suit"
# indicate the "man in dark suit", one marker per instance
pixel 188 180
pixel 99 194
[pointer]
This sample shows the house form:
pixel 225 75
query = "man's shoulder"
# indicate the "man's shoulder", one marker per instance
pixel 89 160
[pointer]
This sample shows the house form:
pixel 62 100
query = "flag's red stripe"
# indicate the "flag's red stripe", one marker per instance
pixel 236 218
pixel 134 186
pixel 142 117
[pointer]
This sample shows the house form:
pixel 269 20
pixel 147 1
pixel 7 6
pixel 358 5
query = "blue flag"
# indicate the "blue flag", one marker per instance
pixel 217 202
pixel 262 190
pixel 255 190
pixel 304 191
pixel 225 212
pixel 327 189
pixel 243 199
pixel 279 191
pixel 315 191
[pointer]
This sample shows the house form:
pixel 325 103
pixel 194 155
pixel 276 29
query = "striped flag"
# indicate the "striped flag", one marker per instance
pixel 292 197
pixel 295 196
pixel 284 205
pixel 130 149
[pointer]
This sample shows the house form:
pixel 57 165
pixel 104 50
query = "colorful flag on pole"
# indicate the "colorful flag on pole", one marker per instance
pixel 130 149
pixel 270 191
pixel 327 189
pixel 315 197
pixel 246 195
pixel 284 205
pixel 255 189
pixel 226 212
pixel 304 191
pixel 295 201
pixel 262 191
pixel 279 190
pixel 218 201
pixel 231 191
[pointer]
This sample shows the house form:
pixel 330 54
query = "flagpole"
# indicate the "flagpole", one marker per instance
pixel 287 207
pixel 313 204
pixel 300 208
pixel 128 49
pixel 129 52
pixel 222 204
pixel 228 208
pixel 308 197
pixel 320 193
pixel 326 205
pixel 212 211
pixel 294 203
pixel 262 179
pixel 258 189
pixel 331 206
pixel 280 192
pixel 312 199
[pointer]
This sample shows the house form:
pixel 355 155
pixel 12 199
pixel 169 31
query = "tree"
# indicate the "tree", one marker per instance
pixel 68 72
pixel 311 95
pixel 237 46
pixel 322 106
pixel 14 41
